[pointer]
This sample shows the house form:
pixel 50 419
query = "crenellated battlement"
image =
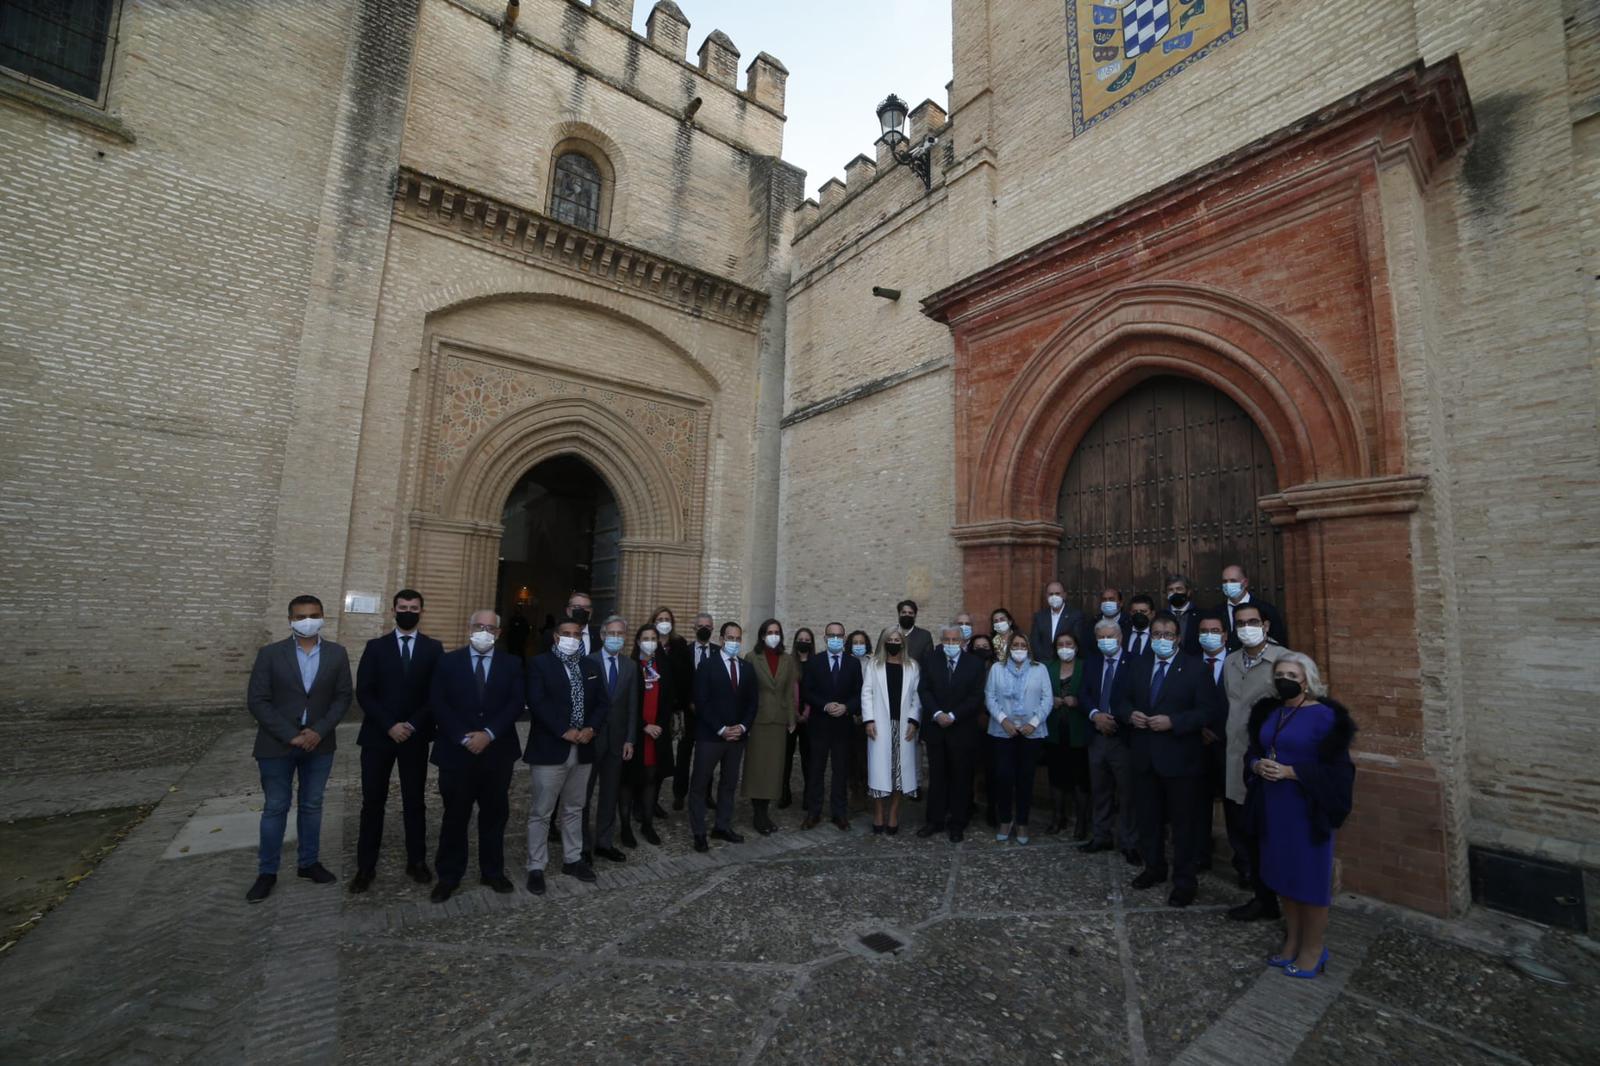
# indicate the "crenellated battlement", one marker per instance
pixel 925 120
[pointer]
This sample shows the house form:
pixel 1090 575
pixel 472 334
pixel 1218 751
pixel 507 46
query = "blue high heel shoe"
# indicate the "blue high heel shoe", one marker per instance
pixel 1291 970
pixel 1280 961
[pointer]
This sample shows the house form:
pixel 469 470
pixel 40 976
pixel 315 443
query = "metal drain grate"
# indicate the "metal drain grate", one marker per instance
pixel 882 943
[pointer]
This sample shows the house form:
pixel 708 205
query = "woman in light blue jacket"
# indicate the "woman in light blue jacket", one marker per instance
pixel 1018 696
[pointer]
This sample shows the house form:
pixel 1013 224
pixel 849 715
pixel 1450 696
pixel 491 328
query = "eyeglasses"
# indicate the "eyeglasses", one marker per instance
pixel 485 627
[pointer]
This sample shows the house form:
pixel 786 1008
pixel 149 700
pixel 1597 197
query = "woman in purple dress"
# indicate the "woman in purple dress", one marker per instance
pixel 1300 780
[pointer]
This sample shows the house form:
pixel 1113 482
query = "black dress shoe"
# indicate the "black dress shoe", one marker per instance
pixel 441 892
pixel 842 824
pixel 1148 879
pixel 1133 857
pixel 650 835
pixel 581 870
pixel 419 872
pixel 362 880
pixel 701 845
pixel 727 834
pixel 766 828
pixel 588 857
pixel 892 830
pixel 1094 846
pixel 928 830
pixel 261 889
pixel 1181 897
pixel 611 854
pixel 318 873
pixel 627 837
pixel 786 800
pixel 658 810
pixel 956 835
pixel 677 803
pixel 877 830
pixel 1253 910
pixel 536 882
pixel 1245 882
pixel 501 883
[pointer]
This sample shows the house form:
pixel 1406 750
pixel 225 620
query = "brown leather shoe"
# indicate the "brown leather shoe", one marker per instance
pixel 842 824
pixel 811 822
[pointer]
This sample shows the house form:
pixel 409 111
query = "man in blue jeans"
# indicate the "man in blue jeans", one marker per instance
pixel 299 689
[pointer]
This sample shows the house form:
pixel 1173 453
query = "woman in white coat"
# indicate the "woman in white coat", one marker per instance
pixel 1018 695
pixel 891 713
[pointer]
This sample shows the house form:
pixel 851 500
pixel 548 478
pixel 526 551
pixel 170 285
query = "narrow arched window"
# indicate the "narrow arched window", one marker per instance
pixel 575 193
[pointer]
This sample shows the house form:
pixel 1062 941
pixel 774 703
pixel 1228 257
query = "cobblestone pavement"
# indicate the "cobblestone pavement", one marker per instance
pixel 750 954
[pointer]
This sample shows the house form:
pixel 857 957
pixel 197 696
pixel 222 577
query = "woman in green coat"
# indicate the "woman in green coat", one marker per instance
pixel 778 685
pixel 1066 752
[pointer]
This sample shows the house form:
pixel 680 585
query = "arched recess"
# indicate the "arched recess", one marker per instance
pixel 607 154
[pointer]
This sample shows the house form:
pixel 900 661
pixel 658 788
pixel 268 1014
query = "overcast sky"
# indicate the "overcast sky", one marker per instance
pixel 844 56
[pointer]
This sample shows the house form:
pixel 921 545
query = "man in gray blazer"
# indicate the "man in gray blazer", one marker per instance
pixel 614 743
pixel 299 689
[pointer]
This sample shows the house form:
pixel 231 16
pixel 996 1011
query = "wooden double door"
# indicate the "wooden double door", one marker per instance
pixel 1167 481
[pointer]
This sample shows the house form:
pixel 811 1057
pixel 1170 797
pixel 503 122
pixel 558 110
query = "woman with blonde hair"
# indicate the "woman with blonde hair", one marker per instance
pixel 1300 783
pixel 1018 695
pixel 890 712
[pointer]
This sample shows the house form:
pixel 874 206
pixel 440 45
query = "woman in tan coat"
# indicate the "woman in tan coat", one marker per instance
pixel 778 683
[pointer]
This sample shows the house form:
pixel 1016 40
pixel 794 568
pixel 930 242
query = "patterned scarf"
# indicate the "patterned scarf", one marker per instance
pixel 1016 681
pixel 575 685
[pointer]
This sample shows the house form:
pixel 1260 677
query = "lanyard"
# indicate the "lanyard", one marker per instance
pixel 1283 720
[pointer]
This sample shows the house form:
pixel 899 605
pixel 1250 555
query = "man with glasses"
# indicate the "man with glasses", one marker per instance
pixel 1246 679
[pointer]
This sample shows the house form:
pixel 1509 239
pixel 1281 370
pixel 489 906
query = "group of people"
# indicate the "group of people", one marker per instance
pixel 1141 716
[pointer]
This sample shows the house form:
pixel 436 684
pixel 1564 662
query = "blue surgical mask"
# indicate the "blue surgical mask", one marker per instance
pixel 1108 645
pixel 836 644
pixel 1163 646
pixel 731 647
pixel 1233 589
pixel 858 650
pixel 1211 641
pixel 613 644
pixel 966 631
pixel 1109 608
pixel 952 650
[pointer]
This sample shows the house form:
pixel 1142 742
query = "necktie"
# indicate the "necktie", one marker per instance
pixel 405 655
pixel 835 668
pixel 611 675
pixel 1155 686
pixel 1212 662
pixel 1106 680
pixel 733 672
pixel 482 673
pixel 952 664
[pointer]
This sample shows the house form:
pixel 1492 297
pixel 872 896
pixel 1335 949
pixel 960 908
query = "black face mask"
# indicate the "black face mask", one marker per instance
pixel 702 634
pixel 982 652
pixel 580 615
pixel 1141 622
pixel 1178 600
pixel 892 649
pixel 803 647
pixel 907 621
pixel 407 620
pixel 1288 688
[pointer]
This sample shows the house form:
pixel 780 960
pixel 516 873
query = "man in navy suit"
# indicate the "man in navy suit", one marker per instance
pixel 951 693
pixel 1213 637
pixel 1236 590
pixel 392 687
pixel 725 708
pixel 1166 700
pixel 567 706
pixel 1136 625
pixel 475 699
pixel 1180 601
pixel 831 685
pixel 1110 773
pixel 1054 619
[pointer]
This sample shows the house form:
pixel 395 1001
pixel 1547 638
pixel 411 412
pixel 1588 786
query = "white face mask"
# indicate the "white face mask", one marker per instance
pixel 481 641
pixel 306 627
pixel 664 628
pixel 772 640
pixel 1108 645
pixel 1055 602
pixel 1066 655
pixel 647 648
pixel 1109 608
pixel 1019 655
pixel 1233 589
pixel 1002 626
pixel 1252 636
pixel 568 645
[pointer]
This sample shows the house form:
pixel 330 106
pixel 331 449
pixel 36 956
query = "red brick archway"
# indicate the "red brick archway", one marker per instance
pixel 1275 277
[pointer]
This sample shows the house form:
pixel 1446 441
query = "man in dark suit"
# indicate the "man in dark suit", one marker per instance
pixel 392 685
pixel 951 693
pixel 1136 625
pixel 1053 619
pixel 580 608
pixel 1110 773
pixel 475 699
pixel 614 742
pixel 299 690
pixel 725 700
pixel 701 649
pixel 1166 700
pixel 1213 637
pixel 1180 602
pixel 918 640
pixel 567 706
pixel 1236 590
pixel 831 685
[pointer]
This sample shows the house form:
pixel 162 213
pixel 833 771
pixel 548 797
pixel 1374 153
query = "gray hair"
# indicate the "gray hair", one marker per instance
pixel 706 615
pixel 950 627
pixel 614 618
pixel 483 610
pixel 1179 578
pixel 1315 686
pixel 1109 626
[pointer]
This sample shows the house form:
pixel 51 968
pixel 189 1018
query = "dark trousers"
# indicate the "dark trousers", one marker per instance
pixel 1015 760
pixel 487 787
pixel 799 740
pixel 952 755
pixel 1067 766
pixel 377 764
pixel 708 756
pixel 828 740
pixel 1242 838
pixel 1180 802
pixel 600 816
